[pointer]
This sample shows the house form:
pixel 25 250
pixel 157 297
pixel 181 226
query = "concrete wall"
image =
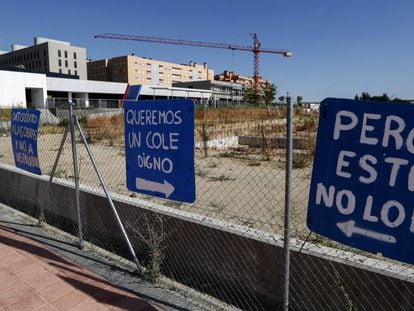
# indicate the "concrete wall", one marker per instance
pixel 228 259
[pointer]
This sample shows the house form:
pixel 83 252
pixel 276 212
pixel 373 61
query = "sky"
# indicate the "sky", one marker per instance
pixel 340 47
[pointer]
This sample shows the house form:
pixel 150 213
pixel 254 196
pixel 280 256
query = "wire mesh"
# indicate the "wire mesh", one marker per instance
pixel 240 183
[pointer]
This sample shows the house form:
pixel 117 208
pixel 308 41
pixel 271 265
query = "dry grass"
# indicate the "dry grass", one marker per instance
pixel 232 115
pixel 51 129
pixel 5 114
pixel 105 129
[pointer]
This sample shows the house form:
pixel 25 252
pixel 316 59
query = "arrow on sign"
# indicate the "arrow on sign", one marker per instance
pixel 148 185
pixel 349 228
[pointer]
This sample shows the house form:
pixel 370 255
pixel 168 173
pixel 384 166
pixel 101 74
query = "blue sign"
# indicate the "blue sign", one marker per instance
pixel 362 190
pixel 24 131
pixel 133 92
pixel 159 147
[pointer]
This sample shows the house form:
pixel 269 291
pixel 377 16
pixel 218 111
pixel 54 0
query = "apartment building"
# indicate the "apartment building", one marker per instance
pixel 230 76
pixel 47 56
pixel 133 69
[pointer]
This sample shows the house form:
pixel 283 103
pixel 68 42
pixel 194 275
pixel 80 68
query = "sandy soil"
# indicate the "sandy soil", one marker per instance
pixel 233 184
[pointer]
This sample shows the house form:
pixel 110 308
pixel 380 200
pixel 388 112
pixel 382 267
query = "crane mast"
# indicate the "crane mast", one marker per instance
pixel 256 48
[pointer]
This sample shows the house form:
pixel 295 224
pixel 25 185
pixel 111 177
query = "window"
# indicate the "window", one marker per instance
pixel 74 55
pixel 59 53
pixel 66 63
pixel 60 70
pixel 76 72
pixel 60 62
pixel 66 54
pixel 69 72
pixel 75 64
pixel 44 53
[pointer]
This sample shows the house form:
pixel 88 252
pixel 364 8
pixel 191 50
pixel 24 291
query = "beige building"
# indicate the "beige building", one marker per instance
pixel 47 56
pixel 140 70
pixel 230 76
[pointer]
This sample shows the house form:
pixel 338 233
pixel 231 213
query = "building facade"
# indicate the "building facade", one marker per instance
pixel 48 56
pixel 230 76
pixel 139 70
pixel 223 93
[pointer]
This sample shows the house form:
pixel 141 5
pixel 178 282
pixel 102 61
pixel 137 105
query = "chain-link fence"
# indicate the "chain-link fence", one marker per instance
pixel 208 249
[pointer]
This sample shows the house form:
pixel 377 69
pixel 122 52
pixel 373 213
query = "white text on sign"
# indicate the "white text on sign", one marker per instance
pixel 388 132
pixel 153 140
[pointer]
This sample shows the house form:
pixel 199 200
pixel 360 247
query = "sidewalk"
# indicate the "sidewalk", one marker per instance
pixel 32 277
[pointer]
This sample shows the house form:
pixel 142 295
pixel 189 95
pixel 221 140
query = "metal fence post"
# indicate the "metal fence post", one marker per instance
pixel 73 121
pixel 288 204
pixel 108 196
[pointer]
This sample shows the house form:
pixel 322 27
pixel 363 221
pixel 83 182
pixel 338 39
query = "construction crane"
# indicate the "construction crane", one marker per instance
pixel 256 48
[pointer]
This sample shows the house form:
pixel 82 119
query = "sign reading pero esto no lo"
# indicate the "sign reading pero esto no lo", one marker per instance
pixel 24 132
pixel 362 189
pixel 159 147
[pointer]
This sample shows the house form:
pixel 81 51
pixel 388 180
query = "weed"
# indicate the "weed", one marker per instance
pixel 59 173
pixel 64 122
pixel 5 114
pixel 150 229
pixel 226 155
pixel 174 204
pixel 254 163
pixel 341 284
pixel 220 178
pixel 204 138
pixel 264 143
pixel 301 160
pixel 217 207
pixel 200 173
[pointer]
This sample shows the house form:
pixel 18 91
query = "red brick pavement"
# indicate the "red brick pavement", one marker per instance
pixel 33 277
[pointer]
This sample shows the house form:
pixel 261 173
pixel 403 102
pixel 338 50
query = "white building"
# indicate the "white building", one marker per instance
pixel 26 89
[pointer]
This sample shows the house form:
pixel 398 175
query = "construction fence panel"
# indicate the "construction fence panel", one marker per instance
pixel 240 186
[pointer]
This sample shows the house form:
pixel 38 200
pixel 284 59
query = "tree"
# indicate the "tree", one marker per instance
pixel 268 94
pixel 383 98
pixel 252 96
pixel 365 96
pixel 281 98
pixel 299 100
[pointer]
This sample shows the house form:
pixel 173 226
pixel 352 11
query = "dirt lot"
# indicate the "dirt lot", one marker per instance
pixel 234 184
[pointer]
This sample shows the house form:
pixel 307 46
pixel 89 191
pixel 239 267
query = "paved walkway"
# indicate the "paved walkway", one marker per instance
pixel 33 277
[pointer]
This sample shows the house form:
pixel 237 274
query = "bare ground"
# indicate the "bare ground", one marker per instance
pixel 234 185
